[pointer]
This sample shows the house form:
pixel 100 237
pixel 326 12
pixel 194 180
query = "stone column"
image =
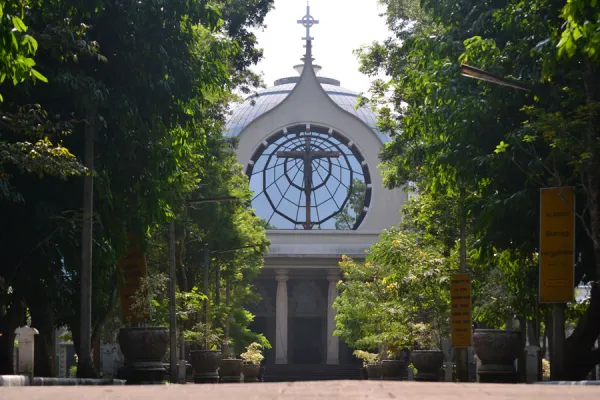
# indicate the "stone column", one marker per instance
pixel 333 342
pixel 281 317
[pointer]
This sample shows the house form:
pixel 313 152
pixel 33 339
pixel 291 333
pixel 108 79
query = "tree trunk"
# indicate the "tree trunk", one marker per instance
pixel 86 369
pixel 580 355
pixel 42 319
pixel 14 317
pixel 98 324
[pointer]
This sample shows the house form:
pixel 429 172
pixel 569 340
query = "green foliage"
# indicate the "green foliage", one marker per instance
pixel 152 81
pixel 404 292
pixel 581 30
pixel 18 47
pixel 204 336
pixel 505 286
pixel 478 152
pixel 144 303
pixel 356 201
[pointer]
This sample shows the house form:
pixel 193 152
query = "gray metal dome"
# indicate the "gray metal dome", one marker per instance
pixel 256 105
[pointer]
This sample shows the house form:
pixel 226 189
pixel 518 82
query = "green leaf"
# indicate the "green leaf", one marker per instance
pixel 501 148
pixel 39 75
pixel 19 24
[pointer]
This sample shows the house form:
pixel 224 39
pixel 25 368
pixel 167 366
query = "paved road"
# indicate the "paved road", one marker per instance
pixel 306 390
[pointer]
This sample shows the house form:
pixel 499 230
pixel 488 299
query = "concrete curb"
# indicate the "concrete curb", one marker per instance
pixel 14 380
pixel 570 383
pixel 22 380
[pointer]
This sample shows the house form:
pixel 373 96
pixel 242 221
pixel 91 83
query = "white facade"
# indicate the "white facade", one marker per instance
pixel 301 271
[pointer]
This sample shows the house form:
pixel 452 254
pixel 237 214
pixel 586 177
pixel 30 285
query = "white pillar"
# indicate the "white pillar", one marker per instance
pixel 281 317
pixel 333 342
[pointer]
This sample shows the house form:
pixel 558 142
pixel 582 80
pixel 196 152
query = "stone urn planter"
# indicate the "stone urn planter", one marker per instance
pixel 251 372
pixel 393 370
pixel 230 370
pixel 373 371
pixel 497 351
pixel 143 349
pixel 428 364
pixel 206 365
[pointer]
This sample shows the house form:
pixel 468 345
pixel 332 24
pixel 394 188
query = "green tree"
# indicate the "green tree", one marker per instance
pixel 158 91
pixel 402 286
pixel 356 201
pixel 492 147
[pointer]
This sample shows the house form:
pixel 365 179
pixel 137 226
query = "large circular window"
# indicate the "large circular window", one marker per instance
pixel 309 177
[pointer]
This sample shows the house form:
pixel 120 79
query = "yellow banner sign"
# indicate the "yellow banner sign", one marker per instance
pixel 557 245
pixel 131 270
pixel 461 308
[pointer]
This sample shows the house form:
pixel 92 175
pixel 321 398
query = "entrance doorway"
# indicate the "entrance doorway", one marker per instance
pixel 308 340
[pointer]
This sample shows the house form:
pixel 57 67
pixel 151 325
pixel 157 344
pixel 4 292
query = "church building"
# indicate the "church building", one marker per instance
pixel 311 157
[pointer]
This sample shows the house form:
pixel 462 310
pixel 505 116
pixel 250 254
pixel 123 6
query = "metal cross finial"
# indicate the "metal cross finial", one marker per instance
pixel 308 21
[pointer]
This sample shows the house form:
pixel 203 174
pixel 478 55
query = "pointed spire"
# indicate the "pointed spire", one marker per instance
pixel 308 21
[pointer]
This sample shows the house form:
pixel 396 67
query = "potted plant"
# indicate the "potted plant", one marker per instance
pixel 144 346
pixel 252 358
pixel 497 351
pixel 427 358
pixel 204 353
pixel 370 362
pixel 393 367
pixel 230 367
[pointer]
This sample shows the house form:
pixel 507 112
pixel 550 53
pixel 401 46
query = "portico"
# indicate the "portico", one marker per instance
pixel 301 324
pixel 298 287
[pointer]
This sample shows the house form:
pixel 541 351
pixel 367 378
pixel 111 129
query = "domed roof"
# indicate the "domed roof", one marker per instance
pixel 258 104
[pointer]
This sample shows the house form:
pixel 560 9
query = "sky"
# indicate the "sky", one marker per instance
pixel 344 25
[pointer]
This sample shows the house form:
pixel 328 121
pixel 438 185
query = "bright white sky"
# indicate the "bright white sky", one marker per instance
pixel 344 25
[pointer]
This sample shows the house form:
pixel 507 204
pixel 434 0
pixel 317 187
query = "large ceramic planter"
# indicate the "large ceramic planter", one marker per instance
pixel 428 364
pixel 393 370
pixel 373 371
pixel 143 349
pixel 497 351
pixel 230 370
pixel 251 372
pixel 206 365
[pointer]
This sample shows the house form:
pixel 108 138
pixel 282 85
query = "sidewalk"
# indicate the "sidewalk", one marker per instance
pixel 307 390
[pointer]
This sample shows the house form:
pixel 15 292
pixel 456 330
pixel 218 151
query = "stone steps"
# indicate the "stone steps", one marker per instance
pixel 311 372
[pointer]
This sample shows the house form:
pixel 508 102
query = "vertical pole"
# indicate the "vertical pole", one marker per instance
pixel 85 366
pixel 206 269
pixel 218 297
pixel 557 360
pixel 172 303
pixel 462 357
pixel 217 285
pixel 228 319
